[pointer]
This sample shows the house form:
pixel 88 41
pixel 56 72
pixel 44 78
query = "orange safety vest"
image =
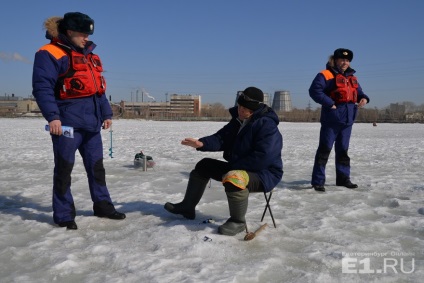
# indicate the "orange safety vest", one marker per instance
pixel 84 75
pixel 346 87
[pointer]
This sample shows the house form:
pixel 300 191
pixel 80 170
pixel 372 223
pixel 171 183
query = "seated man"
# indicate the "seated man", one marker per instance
pixel 251 145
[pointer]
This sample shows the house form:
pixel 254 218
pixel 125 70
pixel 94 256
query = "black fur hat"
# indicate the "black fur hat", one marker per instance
pixel 343 53
pixel 76 21
pixel 252 98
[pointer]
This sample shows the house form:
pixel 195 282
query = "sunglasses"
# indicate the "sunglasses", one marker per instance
pixel 245 97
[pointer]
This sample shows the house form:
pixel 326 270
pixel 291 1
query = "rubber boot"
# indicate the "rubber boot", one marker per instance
pixel 237 202
pixel 195 189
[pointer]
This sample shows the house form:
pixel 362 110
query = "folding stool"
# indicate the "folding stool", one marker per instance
pixel 267 207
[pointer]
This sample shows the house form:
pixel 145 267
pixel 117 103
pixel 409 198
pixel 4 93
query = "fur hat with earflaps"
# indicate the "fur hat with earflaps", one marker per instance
pixel 343 53
pixel 75 21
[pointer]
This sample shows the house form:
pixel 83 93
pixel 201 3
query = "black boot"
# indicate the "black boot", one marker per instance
pixel 319 188
pixel 116 215
pixel 70 225
pixel 344 181
pixel 237 202
pixel 106 209
pixel 195 189
pixel 348 184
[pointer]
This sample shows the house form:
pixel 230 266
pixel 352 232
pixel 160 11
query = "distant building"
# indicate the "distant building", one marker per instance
pixel 17 105
pixel 414 117
pixel 178 106
pixel 267 99
pixel 27 106
pixel 188 105
pixel 282 101
pixel 397 108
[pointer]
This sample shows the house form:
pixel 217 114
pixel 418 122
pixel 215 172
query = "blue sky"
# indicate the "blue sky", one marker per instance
pixel 215 48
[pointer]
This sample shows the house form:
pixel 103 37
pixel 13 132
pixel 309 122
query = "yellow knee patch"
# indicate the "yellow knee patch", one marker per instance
pixel 238 178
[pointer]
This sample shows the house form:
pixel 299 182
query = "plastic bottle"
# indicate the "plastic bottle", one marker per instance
pixel 66 131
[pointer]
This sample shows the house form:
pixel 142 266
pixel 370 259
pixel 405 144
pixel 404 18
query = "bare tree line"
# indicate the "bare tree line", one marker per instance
pixel 394 113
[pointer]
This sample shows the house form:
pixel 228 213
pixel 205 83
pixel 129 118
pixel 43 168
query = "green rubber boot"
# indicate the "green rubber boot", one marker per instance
pixel 195 189
pixel 237 202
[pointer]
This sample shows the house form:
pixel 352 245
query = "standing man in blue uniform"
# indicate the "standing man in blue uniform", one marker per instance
pixel 340 95
pixel 70 91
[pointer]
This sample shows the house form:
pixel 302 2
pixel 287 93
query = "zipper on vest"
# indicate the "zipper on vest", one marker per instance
pixel 92 73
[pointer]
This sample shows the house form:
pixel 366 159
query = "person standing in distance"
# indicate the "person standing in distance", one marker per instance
pixel 340 95
pixel 70 90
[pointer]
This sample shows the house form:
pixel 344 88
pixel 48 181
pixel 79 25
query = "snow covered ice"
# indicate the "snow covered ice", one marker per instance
pixel 317 235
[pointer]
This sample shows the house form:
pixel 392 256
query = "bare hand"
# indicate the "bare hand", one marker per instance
pixel 55 127
pixel 362 103
pixel 107 123
pixel 192 142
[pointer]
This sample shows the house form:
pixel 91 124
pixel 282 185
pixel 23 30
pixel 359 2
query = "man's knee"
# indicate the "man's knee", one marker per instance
pixel 235 179
pixel 343 158
pixel 323 154
pixel 203 166
pixel 211 168
pixel 99 173
pixel 62 178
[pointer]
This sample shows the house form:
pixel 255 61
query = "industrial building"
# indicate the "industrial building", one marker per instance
pixel 282 101
pixel 11 105
pixel 178 106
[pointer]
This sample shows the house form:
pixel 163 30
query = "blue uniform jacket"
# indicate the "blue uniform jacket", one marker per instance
pixel 319 91
pixel 87 113
pixel 256 148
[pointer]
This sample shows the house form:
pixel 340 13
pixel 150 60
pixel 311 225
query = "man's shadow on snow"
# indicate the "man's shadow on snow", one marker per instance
pixel 296 185
pixel 169 219
pixel 157 209
pixel 25 208
pixel 202 221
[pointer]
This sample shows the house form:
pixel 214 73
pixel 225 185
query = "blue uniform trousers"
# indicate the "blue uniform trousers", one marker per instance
pixel 339 136
pixel 89 144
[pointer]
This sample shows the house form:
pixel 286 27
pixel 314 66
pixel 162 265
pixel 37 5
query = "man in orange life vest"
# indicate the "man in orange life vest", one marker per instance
pixel 340 95
pixel 70 91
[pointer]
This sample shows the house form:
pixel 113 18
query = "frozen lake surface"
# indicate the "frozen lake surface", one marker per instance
pixel 372 234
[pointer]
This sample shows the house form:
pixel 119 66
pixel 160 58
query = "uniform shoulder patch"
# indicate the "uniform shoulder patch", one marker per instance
pixel 54 50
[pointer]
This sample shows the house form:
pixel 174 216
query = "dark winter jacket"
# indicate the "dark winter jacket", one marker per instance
pixel 87 113
pixel 319 91
pixel 256 148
